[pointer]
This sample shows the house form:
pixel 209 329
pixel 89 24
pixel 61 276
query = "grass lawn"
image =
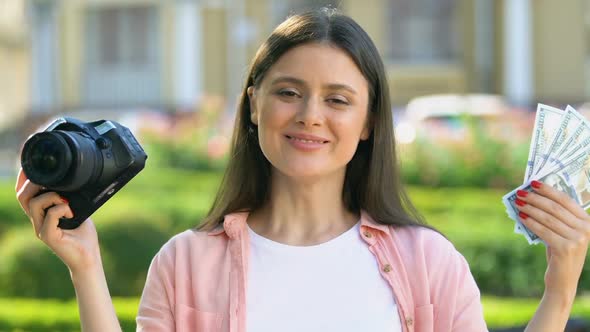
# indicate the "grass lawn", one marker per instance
pixel 53 315
pixel 49 315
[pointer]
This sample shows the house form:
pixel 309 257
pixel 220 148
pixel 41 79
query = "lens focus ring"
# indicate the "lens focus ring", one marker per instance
pixel 46 158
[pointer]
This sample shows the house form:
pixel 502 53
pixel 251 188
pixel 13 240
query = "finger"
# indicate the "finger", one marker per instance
pixel 38 206
pixel 548 220
pixel 559 196
pixel 20 180
pixel 546 234
pixel 550 207
pixel 26 193
pixel 49 232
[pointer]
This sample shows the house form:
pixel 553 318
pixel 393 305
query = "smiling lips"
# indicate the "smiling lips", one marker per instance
pixel 306 142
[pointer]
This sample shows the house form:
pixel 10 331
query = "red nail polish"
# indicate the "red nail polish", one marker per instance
pixel 522 215
pixel 519 202
pixel 64 200
pixel 522 193
pixel 536 184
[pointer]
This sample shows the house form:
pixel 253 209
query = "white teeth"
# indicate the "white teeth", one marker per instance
pixel 305 140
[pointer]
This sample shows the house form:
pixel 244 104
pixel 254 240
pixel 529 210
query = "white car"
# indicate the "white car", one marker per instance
pixel 443 118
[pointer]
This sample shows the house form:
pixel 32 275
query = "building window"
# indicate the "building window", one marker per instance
pixel 123 35
pixel 122 56
pixel 424 31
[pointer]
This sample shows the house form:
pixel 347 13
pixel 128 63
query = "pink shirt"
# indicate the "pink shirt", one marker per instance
pixel 197 282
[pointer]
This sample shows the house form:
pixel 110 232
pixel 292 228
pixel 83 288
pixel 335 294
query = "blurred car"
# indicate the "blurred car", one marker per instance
pixel 452 118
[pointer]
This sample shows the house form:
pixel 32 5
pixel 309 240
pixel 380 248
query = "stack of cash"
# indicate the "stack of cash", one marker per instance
pixel 559 156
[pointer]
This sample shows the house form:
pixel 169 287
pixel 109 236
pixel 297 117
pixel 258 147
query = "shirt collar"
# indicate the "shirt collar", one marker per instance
pixel 234 223
pixel 369 222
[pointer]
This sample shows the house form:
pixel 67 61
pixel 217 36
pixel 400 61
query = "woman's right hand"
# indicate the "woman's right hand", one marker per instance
pixel 78 248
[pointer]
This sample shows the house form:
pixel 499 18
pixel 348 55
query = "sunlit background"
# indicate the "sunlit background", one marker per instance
pixel 465 78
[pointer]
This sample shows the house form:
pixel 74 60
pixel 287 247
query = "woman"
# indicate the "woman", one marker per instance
pixel 311 229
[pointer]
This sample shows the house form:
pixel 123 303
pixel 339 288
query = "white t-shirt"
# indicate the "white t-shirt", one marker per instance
pixel 333 286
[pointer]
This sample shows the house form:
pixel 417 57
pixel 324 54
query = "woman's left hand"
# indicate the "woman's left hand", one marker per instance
pixel 565 227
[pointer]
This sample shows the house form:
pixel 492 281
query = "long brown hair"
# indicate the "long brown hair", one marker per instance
pixel 372 180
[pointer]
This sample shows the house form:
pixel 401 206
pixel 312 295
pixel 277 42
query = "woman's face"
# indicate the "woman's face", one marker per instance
pixel 311 111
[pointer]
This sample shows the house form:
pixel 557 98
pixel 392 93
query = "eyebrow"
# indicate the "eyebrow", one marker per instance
pixel 298 81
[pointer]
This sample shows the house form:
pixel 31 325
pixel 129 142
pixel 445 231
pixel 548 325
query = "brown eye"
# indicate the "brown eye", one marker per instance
pixel 287 93
pixel 338 101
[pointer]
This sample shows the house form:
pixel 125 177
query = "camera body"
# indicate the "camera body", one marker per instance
pixel 84 162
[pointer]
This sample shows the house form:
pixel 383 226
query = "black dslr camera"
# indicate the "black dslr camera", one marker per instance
pixel 84 162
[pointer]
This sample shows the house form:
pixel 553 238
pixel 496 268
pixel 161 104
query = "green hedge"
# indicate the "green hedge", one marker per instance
pixel 479 160
pixel 30 269
pixel 503 263
pixel 10 213
pixel 128 246
pixel 132 227
pixel 181 155
pixel 162 202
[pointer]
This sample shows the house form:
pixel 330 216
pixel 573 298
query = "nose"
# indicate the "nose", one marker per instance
pixel 310 113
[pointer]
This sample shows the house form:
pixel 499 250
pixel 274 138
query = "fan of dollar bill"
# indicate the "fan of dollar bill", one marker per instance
pixel 559 156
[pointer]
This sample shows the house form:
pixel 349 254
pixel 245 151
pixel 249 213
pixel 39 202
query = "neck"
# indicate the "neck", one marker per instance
pixel 304 211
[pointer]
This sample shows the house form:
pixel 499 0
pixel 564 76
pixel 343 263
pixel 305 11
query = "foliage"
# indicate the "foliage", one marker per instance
pixel 159 203
pixel 196 140
pixel 10 213
pixel 474 220
pixel 132 227
pixel 479 160
pixel 128 245
pixel 30 269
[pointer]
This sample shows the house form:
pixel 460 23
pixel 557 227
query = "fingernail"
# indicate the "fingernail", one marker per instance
pixel 519 202
pixel 522 193
pixel 64 200
pixel 522 215
pixel 536 184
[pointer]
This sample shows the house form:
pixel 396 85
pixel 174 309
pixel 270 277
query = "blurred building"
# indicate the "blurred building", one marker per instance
pixel 97 54
pixel 14 63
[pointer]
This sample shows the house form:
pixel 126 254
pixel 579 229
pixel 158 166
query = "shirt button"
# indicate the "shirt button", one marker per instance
pixel 409 321
pixel 367 234
pixel 387 268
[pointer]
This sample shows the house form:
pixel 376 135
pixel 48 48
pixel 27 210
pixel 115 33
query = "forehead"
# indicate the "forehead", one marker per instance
pixel 318 63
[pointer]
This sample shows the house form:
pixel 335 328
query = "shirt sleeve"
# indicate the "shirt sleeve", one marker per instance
pixel 453 290
pixel 156 307
pixel 468 313
pixel 457 294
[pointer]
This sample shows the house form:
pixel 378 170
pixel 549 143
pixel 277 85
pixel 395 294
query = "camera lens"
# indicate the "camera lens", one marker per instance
pixel 46 158
pixel 61 160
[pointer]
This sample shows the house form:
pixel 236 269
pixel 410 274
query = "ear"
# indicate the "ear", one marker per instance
pixel 367 128
pixel 253 110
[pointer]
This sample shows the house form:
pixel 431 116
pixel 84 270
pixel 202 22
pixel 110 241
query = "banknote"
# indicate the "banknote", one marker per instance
pixel 579 139
pixel 571 177
pixel 570 122
pixel 547 121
